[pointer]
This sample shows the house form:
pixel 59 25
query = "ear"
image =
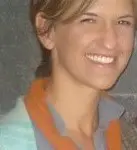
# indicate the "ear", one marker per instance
pixel 45 34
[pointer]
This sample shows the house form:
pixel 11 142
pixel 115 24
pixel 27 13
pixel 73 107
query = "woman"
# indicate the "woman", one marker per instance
pixel 89 44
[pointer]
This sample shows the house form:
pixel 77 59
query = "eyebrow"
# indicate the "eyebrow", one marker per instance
pixel 95 15
pixel 126 16
pixel 90 14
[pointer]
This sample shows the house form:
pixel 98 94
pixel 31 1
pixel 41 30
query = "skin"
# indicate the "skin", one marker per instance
pixel 106 28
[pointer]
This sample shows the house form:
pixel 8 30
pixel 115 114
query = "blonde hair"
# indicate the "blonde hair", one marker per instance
pixel 54 11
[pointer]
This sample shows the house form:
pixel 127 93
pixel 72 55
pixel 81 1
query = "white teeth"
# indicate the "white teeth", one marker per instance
pixel 100 59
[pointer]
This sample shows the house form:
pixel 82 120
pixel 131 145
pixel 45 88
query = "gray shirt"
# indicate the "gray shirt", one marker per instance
pixel 108 110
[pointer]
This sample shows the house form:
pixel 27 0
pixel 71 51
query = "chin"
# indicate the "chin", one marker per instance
pixel 103 85
pixel 106 85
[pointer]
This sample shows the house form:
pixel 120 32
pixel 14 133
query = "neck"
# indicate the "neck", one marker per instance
pixel 76 103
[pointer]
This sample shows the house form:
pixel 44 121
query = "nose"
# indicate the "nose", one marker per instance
pixel 110 37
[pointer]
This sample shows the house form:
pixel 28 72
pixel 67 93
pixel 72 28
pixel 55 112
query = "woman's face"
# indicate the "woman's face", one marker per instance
pixel 95 48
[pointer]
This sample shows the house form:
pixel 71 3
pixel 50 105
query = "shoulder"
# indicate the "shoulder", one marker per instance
pixel 110 112
pixel 16 130
pixel 17 114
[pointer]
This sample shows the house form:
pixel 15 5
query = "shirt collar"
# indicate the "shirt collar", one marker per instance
pixel 109 110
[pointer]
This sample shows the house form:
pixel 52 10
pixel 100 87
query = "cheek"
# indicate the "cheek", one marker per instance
pixel 126 36
pixel 126 42
pixel 70 52
pixel 125 48
pixel 71 42
pixel 65 38
pixel 65 46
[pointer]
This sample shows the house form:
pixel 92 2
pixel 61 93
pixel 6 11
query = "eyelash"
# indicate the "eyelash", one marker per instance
pixel 124 22
pixel 121 22
pixel 89 20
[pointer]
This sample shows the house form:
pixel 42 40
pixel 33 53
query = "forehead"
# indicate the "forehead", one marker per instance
pixel 112 6
pixel 105 8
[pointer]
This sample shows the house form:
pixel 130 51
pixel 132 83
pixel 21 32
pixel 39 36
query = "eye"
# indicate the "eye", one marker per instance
pixel 125 22
pixel 88 20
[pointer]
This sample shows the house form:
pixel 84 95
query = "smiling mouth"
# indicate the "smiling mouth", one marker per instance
pixel 101 59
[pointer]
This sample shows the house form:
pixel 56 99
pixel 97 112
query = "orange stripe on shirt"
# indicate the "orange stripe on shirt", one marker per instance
pixel 41 116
